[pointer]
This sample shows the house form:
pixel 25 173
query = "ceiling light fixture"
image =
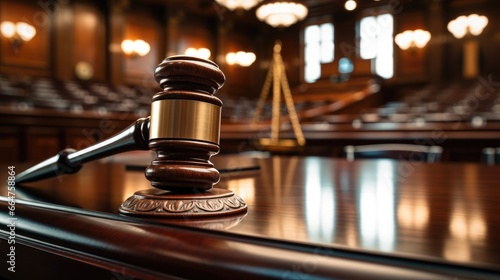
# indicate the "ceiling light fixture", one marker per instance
pixel 350 5
pixel 238 4
pixel 201 52
pixel 281 13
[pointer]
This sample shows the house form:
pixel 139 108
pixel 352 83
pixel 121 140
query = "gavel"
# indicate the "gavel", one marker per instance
pixel 183 130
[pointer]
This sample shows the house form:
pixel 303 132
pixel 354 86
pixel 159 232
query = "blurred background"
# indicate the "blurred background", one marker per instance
pixel 74 72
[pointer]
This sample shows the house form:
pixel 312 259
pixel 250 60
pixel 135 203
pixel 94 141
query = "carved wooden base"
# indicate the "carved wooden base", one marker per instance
pixel 166 204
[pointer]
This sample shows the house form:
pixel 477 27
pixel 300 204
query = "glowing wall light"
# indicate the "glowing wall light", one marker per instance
pixel 201 52
pixel 472 24
pixel 240 58
pixel 135 48
pixel 17 33
pixel 412 39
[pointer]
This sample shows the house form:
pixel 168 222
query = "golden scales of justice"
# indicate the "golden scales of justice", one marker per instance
pixel 277 77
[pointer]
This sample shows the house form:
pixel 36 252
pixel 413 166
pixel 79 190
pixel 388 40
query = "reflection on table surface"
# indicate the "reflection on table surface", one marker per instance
pixel 445 211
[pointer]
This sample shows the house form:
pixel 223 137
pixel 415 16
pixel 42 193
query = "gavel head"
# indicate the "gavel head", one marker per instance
pixel 185 125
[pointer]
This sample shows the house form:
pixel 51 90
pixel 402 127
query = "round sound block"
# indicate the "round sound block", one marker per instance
pixel 167 204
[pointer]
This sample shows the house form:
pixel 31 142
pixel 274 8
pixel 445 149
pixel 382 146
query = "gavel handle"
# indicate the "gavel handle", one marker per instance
pixel 69 161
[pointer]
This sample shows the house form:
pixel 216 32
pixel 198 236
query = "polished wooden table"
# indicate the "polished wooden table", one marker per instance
pixel 308 218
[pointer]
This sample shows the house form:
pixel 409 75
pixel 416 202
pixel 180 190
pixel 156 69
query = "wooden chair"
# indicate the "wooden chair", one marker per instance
pixel 429 154
pixel 491 156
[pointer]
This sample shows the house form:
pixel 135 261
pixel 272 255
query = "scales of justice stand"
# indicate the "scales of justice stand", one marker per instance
pixel 276 76
pixel 183 130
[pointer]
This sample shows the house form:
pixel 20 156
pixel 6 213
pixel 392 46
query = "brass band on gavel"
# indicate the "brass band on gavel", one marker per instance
pixel 185 119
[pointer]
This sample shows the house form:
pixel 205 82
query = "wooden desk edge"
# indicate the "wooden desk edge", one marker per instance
pixel 153 251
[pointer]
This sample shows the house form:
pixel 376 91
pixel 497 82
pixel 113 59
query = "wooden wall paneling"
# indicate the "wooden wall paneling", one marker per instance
pixel 362 67
pixel 173 26
pixel 220 37
pixel 195 33
pixel 9 145
pixel 345 43
pixel 42 142
pixel 453 48
pixel 437 45
pixel 90 38
pixel 79 138
pixel 144 26
pixel 410 62
pixel 489 40
pixel 33 57
pixel 116 19
pixel 82 137
pixel 241 81
pixel 222 46
pixel 63 42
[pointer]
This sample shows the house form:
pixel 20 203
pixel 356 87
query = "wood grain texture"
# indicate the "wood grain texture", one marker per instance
pixel 307 217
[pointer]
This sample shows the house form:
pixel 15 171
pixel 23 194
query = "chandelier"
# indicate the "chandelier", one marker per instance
pixel 281 13
pixel 238 4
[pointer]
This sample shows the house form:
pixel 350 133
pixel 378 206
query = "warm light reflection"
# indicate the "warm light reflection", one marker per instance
pixel 413 212
pixel 351 235
pixel 281 221
pixel 466 231
pixel 319 202
pixel 135 47
pixel 458 225
pixel 467 226
pixel 241 58
pixel 132 182
pixel 245 188
pixel 376 209
pixel 455 249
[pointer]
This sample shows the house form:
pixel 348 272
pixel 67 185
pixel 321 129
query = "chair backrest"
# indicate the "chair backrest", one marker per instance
pixel 491 156
pixel 409 152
